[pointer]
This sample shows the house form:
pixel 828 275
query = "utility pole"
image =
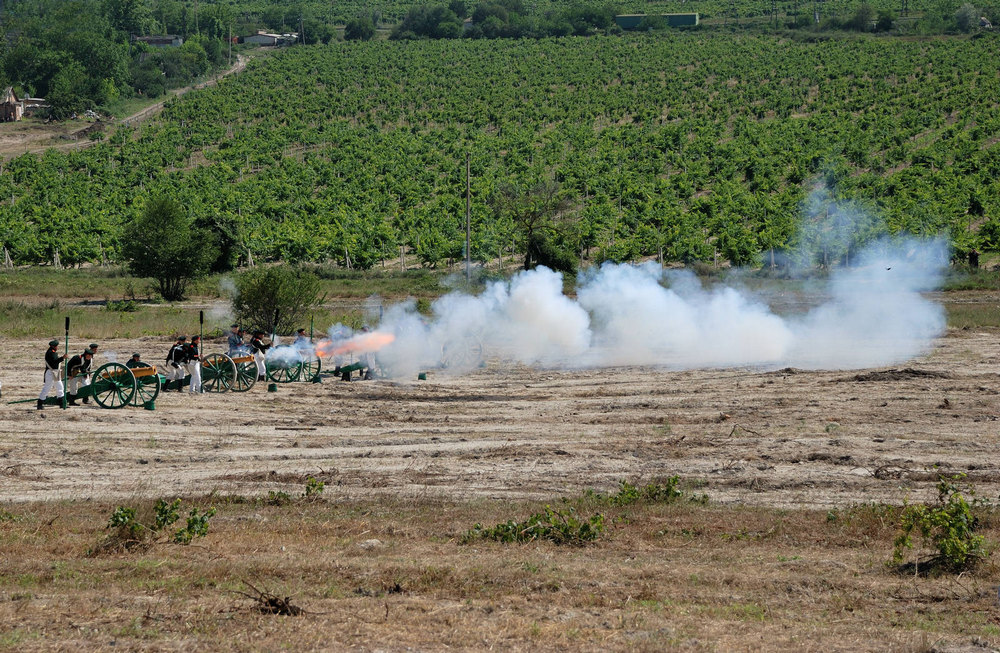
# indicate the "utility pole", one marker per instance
pixel 468 220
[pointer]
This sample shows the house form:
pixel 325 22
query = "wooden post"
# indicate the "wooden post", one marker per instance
pixel 66 368
pixel 468 221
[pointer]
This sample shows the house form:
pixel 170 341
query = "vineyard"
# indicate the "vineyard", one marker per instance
pixel 704 146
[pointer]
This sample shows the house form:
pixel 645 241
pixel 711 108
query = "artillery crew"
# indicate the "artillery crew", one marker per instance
pixel 52 380
pixel 192 359
pixel 259 349
pixel 176 358
pixel 302 340
pixel 78 370
pixel 135 361
pixel 235 340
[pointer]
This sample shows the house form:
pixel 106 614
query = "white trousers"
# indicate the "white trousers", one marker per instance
pixel 194 369
pixel 175 373
pixel 261 368
pixel 52 381
pixel 77 382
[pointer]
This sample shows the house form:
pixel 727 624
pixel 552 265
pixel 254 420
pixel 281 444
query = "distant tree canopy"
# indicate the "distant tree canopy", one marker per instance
pixel 80 55
pixel 165 244
pixel 359 29
pixel 275 299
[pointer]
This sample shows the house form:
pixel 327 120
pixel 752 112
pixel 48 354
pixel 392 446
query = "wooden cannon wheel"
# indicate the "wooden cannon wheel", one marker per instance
pixel 283 371
pixel 114 385
pixel 246 373
pixel 310 367
pixel 218 373
pixel 147 384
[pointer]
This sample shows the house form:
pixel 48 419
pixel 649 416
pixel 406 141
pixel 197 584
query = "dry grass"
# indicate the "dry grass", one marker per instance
pixel 391 574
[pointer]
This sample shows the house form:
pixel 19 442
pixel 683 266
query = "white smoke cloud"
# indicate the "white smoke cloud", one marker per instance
pixel 873 315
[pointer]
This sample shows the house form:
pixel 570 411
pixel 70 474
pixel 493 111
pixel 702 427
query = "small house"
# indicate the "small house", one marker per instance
pixel 265 38
pixel 161 41
pixel 11 108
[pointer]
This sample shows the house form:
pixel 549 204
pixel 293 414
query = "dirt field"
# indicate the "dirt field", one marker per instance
pixel 788 554
pixel 786 438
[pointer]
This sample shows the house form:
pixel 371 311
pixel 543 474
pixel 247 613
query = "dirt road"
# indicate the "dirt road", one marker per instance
pixel 776 438
pixel 33 136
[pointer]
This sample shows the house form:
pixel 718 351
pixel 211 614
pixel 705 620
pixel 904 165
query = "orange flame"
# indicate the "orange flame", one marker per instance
pixel 359 344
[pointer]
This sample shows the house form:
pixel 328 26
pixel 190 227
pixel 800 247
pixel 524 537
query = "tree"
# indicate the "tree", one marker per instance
pixel 885 21
pixel 966 17
pixel 862 19
pixel 279 291
pixel 164 243
pixel 543 222
pixel 359 29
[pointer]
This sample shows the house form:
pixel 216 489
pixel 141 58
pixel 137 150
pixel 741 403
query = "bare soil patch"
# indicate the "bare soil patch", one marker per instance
pixel 785 438
pixel 788 554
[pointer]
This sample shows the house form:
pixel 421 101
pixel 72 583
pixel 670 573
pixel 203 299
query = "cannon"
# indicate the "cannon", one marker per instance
pixel 114 385
pixel 222 373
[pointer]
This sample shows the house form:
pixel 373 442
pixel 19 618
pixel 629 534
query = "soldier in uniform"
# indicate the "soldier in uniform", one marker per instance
pixel 78 370
pixel 302 340
pixel 52 380
pixel 175 361
pixel 192 359
pixel 259 348
pixel 135 361
pixel 235 340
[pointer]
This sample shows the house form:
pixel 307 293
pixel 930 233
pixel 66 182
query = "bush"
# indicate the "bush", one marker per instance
pixel 163 243
pixel 276 299
pixel 559 526
pixel 948 526
pixel 130 533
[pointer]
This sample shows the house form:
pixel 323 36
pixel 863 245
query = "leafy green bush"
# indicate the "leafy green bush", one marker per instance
pixel 197 526
pixel 264 293
pixel 129 532
pixel 949 526
pixel 666 491
pixel 560 526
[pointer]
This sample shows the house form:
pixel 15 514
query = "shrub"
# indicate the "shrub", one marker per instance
pixel 560 526
pixel 275 299
pixel 129 532
pixel 949 526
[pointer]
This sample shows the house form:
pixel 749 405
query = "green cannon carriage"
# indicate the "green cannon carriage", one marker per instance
pixel 222 373
pixel 283 370
pixel 115 385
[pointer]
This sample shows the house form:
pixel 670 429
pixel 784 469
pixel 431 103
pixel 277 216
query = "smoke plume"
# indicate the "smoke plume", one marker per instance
pixel 868 314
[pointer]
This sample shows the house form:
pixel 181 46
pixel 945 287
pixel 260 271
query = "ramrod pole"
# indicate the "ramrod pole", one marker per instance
pixel 66 367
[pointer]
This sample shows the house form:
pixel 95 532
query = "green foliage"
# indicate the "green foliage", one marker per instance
pixel 163 243
pixel 665 491
pixel 314 488
pixel 263 292
pixel 949 526
pixel 277 498
pixel 698 162
pixel 122 306
pixel 196 526
pixel 359 29
pixel 165 514
pixel 561 526
pixel 129 532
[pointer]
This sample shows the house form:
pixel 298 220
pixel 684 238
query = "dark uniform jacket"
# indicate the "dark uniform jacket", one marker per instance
pixel 258 344
pixel 79 365
pixel 190 352
pixel 177 355
pixel 52 359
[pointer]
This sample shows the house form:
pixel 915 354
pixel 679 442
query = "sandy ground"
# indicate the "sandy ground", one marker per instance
pixel 774 438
